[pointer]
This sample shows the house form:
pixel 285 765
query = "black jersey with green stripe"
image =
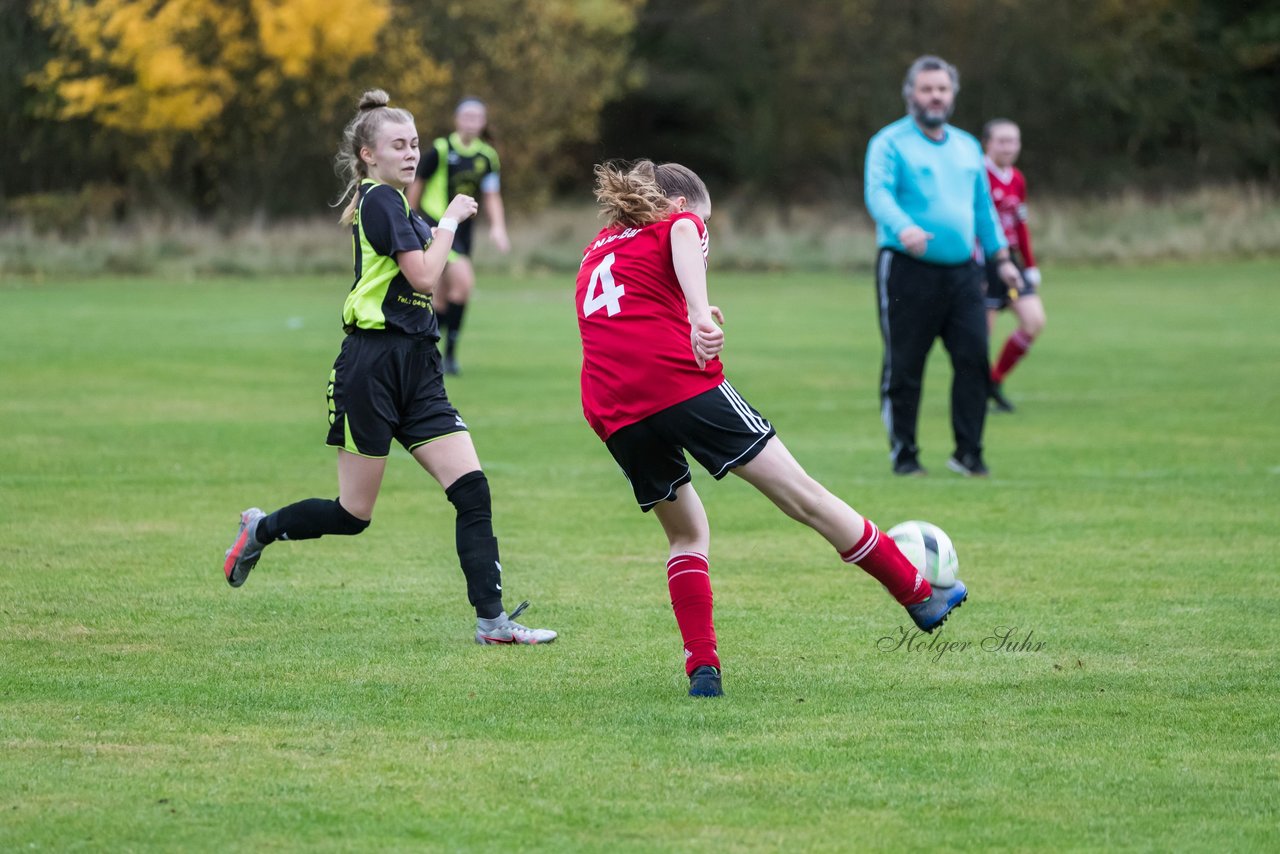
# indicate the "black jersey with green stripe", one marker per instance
pixel 449 167
pixel 382 297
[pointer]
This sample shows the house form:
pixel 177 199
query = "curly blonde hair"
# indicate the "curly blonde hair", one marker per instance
pixel 362 132
pixel 640 193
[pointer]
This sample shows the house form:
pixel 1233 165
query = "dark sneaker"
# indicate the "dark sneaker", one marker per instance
pixel 505 630
pixel 970 465
pixel 704 681
pixel 999 403
pixel 245 551
pixel 451 366
pixel 909 468
pixel 933 612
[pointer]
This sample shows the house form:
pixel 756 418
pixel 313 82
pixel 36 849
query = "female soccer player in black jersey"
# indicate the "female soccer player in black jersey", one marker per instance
pixel 387 381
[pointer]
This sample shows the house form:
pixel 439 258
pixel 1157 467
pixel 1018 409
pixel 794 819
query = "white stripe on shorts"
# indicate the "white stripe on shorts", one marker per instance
pixel 724 468
pixel 754 422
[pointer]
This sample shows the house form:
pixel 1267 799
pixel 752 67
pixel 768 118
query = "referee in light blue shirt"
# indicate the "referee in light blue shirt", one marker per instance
pixel 926 188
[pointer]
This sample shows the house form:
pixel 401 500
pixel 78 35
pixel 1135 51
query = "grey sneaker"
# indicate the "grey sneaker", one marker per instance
pixel 245 551
pixel 504 629
pixel 970 465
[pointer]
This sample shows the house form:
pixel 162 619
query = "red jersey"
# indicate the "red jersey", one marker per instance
pixel 636 355
pixel 1009 193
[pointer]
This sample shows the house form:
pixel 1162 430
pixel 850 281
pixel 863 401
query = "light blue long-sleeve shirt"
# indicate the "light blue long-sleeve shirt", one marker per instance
pixel 941 186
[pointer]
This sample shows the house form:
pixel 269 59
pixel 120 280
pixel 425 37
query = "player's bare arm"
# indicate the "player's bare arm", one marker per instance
pixel 423 268
pixel 706 337
pixel 497 215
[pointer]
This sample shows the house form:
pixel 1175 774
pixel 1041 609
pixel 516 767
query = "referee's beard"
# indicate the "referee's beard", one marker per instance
pixel 931 117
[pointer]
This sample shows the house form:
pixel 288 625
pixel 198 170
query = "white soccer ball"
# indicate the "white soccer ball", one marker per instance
pixel 929 549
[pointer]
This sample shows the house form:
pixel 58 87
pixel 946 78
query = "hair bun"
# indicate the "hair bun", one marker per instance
pixel 645 168
pixel 373 99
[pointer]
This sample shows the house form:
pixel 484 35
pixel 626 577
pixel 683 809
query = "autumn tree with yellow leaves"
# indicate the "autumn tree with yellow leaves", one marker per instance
pixel 237 105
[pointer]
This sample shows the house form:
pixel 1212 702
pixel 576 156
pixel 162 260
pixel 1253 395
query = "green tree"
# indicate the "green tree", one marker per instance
pixel 778 100
pixel 545 70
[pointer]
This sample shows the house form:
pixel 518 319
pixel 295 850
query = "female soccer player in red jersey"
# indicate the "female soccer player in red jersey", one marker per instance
pixel 1002 142
pixel 387 381
pixel 653 387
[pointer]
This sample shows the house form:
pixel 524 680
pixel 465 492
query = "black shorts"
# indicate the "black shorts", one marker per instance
pixel 386 385
pixel 720 429
pixel 998 293
pixel 461 247
pixel 462 238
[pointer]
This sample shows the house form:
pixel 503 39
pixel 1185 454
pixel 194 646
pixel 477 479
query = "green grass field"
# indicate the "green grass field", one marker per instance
pixel 337 702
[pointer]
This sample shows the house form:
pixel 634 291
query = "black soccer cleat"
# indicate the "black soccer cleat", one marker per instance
pixel 705 682
pixel 969 465
pixel 999 403
pixel 909 468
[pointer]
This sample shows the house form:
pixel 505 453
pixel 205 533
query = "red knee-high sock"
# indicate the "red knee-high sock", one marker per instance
pixel 881 558
pixel 690 586
pixel 1014 349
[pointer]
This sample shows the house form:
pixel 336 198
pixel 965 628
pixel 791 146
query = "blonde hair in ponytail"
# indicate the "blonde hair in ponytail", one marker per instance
pixel 640 193
pixel 362 132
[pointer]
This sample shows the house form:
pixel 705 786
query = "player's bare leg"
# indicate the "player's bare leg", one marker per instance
pixel 359 480
pixel 448 458
pixel 1030 313
pixel 777 474
pixel 685 522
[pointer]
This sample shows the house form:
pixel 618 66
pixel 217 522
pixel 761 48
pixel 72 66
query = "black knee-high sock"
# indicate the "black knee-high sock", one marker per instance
pixel 307 520
pixel 477 547
pixel 456 310
pixel 442 320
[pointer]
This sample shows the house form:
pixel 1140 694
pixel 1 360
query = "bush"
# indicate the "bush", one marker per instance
pixel 1226 221
pixel 68 215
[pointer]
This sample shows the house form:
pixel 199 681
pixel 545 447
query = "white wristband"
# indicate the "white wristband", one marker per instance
pixel 447 224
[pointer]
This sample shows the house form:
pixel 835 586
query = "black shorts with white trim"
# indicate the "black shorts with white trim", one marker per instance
pixel 718 428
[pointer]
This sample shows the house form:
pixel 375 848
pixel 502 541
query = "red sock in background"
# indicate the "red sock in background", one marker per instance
pixel 690 586
pixel 1014 349
pixel 881 558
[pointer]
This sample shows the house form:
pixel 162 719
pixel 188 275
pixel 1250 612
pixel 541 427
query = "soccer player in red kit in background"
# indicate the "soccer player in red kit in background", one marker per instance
pixel 1002 142
pixel 653 387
